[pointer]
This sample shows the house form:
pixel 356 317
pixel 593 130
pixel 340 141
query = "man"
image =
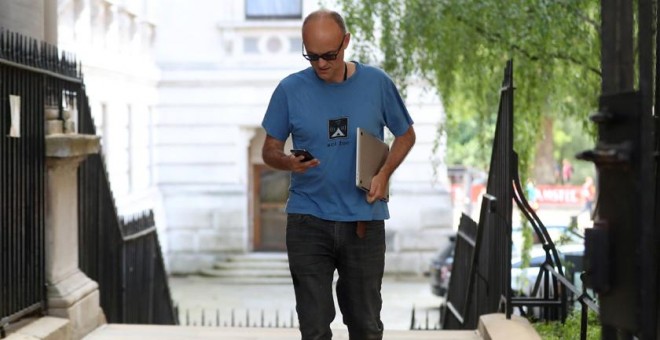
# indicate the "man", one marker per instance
pixel 331 224
pixel 588 194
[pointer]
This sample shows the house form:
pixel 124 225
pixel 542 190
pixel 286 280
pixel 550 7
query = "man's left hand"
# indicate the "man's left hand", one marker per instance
pixel 378 188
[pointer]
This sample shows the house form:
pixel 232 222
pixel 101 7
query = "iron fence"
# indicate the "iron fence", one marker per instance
pixel 146 298
pixel 32 75
pixel 484 280
pixel 430 319
pixel 124 257
pixel 481 272
pixel 240 318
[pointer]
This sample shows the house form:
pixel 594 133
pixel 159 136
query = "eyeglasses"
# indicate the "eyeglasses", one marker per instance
pixel 325 56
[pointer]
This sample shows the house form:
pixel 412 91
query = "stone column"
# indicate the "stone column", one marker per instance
pixel 71 294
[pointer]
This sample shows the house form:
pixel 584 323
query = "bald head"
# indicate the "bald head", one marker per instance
pixel 325 15
pixel 324 39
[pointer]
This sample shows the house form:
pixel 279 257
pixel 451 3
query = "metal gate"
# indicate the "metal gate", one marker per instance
pixel 31 73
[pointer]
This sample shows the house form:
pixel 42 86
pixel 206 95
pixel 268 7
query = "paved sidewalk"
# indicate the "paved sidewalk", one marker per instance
pixel 216 300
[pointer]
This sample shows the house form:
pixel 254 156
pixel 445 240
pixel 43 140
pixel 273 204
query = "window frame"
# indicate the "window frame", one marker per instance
pixel 273 16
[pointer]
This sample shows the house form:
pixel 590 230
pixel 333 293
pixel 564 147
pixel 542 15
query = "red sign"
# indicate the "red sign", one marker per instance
pixel 558 194
pixel 545 194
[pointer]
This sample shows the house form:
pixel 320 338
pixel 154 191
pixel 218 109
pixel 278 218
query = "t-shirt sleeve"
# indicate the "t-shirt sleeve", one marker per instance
pixel 397 118
pixel 276 119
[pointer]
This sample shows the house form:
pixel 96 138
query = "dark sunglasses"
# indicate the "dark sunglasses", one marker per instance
pixel 325 56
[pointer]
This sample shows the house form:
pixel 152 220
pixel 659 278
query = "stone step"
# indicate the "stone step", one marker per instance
pixel 249 280
pixel 252 265
pixel 246 272
pixel 258 257
pixel 252 268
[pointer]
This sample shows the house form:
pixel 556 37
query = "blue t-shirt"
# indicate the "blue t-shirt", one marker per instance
pixel 322 118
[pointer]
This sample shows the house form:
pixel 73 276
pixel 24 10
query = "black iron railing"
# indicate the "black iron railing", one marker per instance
pixel 99 233
pixel 32 75
pixel 112 252
pixel 241 318
pixel 123 257
pixel 481 272
pixel 426 321
pixel 146 298
pixel 546 292
pixel 486 254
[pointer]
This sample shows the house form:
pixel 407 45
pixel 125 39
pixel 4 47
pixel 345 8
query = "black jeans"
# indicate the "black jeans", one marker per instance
pixel 316 248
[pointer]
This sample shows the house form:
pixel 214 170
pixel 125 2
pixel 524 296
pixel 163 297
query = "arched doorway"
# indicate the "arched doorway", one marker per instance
pixel 270 195
pixel 269 192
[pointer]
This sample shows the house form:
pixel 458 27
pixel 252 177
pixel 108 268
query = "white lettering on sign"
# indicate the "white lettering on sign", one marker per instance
pixel 558 194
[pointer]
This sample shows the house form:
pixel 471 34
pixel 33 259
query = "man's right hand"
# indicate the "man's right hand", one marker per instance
pixel 273 155
pixel 297 164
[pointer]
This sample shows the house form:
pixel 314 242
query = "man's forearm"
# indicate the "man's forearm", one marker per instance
pixel 273 154
pixel 276 159
pixel 398 152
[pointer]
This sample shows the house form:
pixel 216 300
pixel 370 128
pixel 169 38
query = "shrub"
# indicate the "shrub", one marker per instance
pixel 571 328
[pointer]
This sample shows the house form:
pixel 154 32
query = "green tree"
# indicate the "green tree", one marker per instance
pixel 460 48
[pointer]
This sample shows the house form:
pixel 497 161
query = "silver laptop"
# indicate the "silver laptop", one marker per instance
pixel 370 156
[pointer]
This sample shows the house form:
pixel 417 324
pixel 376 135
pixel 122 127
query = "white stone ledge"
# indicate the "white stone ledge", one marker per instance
pixel 44 328
pixel 497 327
pixel 71 145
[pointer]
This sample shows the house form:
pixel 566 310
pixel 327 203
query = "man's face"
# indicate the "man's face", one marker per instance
pixel 324 45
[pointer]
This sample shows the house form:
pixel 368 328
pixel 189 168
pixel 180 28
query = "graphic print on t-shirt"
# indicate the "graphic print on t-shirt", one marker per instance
pixel 338 128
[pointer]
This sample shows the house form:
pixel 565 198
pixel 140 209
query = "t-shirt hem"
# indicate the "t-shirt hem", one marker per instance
pixel 336 217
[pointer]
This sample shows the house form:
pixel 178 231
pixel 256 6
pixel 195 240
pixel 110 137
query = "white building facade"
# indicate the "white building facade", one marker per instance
pixel 114 40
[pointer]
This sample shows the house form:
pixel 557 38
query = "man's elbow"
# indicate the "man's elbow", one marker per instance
pixel 411 136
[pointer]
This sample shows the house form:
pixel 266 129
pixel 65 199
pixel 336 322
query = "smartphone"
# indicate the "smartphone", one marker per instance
pixel 303 152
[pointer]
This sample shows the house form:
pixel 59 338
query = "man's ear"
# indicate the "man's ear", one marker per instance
pixel 347 39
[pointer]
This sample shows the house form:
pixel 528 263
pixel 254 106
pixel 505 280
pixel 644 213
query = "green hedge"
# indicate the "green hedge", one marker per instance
pixel 571 329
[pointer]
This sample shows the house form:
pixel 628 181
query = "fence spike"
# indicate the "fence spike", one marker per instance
pixel 412 318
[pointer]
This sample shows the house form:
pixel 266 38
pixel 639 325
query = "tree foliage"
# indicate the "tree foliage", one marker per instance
pixel 460 47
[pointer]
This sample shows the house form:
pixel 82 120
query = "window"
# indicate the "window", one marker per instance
pixel 273 9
